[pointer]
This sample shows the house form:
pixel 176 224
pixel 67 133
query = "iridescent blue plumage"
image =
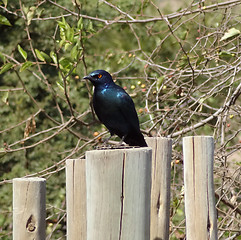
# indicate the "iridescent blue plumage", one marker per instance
pixel 115 109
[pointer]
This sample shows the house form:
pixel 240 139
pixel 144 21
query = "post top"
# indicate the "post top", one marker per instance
pixel 156 137
pixel 127 149
pixel 29 179
pixel 200 136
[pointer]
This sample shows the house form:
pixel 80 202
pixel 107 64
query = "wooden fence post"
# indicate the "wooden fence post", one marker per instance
pixel 160 189
pixel 201 216
pixel 118 185
pixel 29 208
pixel 76 199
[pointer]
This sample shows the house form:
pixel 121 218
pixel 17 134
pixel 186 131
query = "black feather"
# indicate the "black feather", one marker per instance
pixel 115 109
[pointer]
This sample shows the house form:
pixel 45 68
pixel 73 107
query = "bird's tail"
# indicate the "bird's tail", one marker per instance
pixel 135 139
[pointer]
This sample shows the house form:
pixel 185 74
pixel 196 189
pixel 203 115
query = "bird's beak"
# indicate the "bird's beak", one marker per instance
pixel 86 77
pixel 89 78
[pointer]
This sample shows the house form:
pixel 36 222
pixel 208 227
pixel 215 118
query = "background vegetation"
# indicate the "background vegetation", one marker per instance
pixel 180 61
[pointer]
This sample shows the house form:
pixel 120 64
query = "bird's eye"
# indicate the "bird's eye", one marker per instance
pixel 99 76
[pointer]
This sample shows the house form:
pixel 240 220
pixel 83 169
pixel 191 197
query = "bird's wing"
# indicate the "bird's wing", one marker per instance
pixel 127 108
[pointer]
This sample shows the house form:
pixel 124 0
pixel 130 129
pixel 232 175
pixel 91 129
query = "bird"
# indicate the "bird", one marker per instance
pixel 115 109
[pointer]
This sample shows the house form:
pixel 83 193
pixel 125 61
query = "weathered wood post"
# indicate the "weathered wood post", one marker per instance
pixel 29 208
pixel 160 189
pixel 201 216
pixel 118 185
pixel 76 199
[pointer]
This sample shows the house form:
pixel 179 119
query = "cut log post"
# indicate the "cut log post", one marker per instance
pixel 118 185
pixel 29 208
pixel 200 211
pixel 160 189
pixel 76 199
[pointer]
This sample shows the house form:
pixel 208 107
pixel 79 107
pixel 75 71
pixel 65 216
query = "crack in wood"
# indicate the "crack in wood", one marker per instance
pixel 122 193
pixel 158 203
pixel 73 190
pixel 193 167
pixel 26 196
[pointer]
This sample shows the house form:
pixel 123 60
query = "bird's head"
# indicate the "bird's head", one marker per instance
pixel 99 77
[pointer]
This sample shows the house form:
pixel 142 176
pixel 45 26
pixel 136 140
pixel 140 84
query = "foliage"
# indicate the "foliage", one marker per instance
pixel 182 68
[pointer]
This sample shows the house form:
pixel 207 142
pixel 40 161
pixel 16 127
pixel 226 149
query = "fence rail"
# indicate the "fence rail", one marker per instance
pixel 124 194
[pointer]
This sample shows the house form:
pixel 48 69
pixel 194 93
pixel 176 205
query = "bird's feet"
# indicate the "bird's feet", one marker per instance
pixel 105 144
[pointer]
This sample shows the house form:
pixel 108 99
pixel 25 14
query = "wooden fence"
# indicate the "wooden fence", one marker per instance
pixel 124 194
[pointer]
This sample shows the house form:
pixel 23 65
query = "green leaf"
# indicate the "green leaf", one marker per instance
pixel 70 34
pixel 80 24
pixel 183 62
pixel 62 42
pixel 30 14
pixel 5 2
pixel 39 12
pixel 60 82
pixel 60 85
pixel 22 52
pixel 6 67
pixel 63 21
pixel 2 57
pixel 160 81
pixel 65 63
pixel 230 33
pixel 4 21
pixel 67 45
pixel 53 56
pixel 63 24
pixel 90 27
pixel 225 54
pixel 5 97
pixel 199 60
pixel 39 55
pixel 25 66
pixel 74 53
pixel 2 152
pixel 46 57
pixel 182 35
pixel 25 9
